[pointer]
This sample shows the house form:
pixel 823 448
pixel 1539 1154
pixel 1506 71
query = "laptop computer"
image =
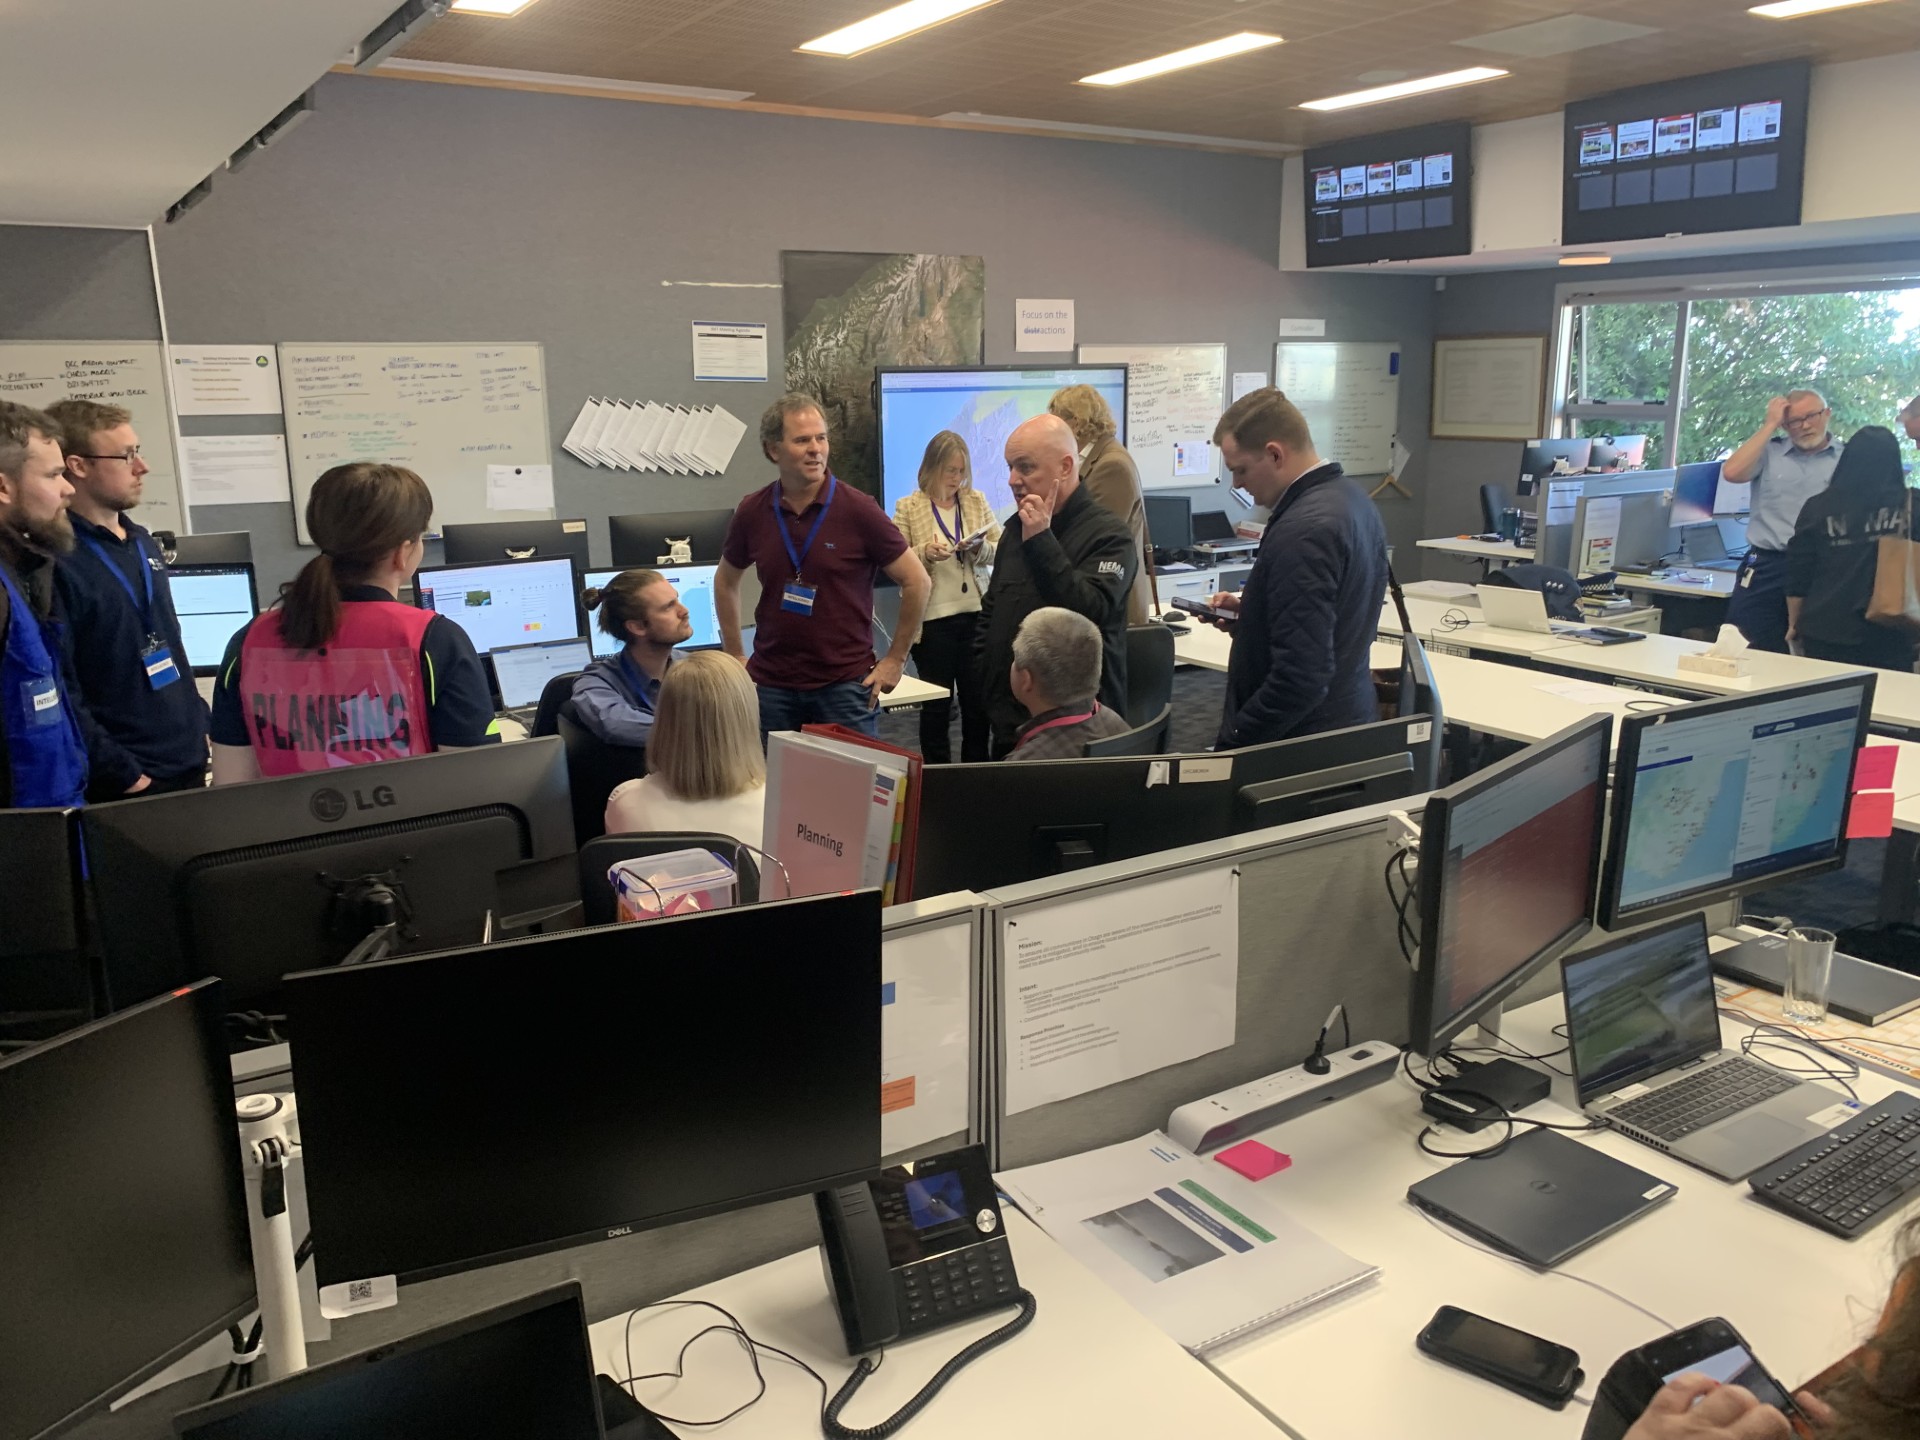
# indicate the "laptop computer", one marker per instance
pixel 1704 547
pixel 1542 1199
pixel 1645 1043
pixel 521 672
pixel 1508 608
pixel 1213 534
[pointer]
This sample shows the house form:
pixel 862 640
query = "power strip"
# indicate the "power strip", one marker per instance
pixel 1203 1125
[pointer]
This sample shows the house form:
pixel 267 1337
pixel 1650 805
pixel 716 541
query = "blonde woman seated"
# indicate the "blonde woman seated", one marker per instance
pixel 950 527
pixel 705 770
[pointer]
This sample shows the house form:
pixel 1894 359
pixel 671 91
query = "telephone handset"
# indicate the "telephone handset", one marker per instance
pixel 917 1249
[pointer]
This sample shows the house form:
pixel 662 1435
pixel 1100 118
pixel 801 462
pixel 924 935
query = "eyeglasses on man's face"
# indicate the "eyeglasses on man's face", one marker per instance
pixel 128 455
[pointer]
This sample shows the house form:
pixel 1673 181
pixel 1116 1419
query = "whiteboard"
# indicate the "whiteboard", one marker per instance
pixel 1350 394
pixel 445 411
pixel 1175 394
pixel 115 372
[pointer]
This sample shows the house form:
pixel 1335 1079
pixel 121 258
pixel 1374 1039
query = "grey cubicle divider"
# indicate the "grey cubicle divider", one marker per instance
pixel 1553 544
pixel 617 1275
pixel 1316 928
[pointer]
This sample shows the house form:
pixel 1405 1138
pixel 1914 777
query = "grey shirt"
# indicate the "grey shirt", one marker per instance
pixel 1787 479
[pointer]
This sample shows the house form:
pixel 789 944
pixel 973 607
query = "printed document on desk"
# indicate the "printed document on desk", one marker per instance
pixel 1123 982
pixel 1195 1248
pixel 926 1033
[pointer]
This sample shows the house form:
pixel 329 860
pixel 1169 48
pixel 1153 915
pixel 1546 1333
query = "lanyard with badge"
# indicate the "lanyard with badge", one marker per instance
pixel 953 535
pixel 1058 722
pixel 156 656
pixel 796 597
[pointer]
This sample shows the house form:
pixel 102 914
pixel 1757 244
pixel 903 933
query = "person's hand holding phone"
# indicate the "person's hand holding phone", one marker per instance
pixel 1693 1407
pixel 1226 607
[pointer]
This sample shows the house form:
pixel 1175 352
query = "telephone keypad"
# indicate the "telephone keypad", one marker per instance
pixel 946 1288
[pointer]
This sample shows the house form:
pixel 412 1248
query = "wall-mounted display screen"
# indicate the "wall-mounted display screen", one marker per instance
pixel 1686 157
pixel 1404 196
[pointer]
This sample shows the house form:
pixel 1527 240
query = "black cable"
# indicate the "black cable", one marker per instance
pixel 305 1252
pixel 830 1416
pixel 1794 1041
pixel 1650 705
pixel 1452 619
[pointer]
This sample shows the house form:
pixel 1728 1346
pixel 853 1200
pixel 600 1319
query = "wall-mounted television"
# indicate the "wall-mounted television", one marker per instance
pixel 1403 196
pixel 1687 157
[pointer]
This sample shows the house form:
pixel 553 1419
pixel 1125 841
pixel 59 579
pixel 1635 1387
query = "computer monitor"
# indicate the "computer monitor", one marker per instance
pixel 521 672
pixel 516 540
pixel 506 602
pixel 524 1368
pixel 1509 858
pixel 249 882
pixel 695 585
pixel 123 1221
pixel 45 980
pixel 1623 452
pixel 647 541
pixel 1314 775
pixel 1696 491
pixel 1721 797
pixel 578 1086
pixel 1539 459
pixel 1169 523
pixel 221 547
pixel 982 404
pixel 213 603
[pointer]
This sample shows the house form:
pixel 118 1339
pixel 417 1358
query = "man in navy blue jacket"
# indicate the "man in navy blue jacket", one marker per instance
pixel 1306 622
pixel 147 729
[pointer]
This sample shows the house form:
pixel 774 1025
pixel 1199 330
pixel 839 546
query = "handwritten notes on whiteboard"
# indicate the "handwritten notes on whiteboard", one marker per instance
pixel 448 412
pixel 1350 394
pixel 128 373
pixel 1175 395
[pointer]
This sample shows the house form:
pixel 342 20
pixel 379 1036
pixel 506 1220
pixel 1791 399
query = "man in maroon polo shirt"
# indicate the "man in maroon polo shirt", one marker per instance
pixel 816 545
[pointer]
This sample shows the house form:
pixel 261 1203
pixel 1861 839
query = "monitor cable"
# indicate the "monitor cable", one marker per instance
pixel 1791 1043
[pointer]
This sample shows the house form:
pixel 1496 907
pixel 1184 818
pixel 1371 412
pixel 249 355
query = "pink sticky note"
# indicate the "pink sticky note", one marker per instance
pixel 1870 817
pixel 1875 768
pixel 1253 1160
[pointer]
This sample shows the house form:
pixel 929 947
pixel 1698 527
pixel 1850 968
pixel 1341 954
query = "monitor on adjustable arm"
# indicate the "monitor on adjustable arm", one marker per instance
pixel 123 1222
pixel 1612 453
pixel 1542 458
pixel 648 541
pixel 1509 863
pixel 516 540
pixel 574 1087
pixel 250 882
pixel 213 602
pixel 1718 798
pixel 1169 524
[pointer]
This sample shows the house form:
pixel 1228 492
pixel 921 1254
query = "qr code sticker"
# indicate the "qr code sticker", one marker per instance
pixel 359 1292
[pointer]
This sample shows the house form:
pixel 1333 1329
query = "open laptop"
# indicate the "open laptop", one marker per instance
pixel 1508 608
pixel 521 672
pixel 1214 536
pixel 1645 1042
pixel 1704 547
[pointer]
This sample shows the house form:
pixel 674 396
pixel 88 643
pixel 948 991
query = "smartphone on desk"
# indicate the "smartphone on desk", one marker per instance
pixel 1525 1364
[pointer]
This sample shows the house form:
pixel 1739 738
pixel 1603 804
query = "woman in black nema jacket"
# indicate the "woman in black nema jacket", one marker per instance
pixel 1835 551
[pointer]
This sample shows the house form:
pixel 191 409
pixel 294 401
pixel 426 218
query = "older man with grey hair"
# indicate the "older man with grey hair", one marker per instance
pixel 1785 470
pixel 1055 675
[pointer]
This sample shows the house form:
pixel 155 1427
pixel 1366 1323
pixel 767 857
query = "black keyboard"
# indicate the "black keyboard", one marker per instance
pixel 1695 1103
pixel 1854 1176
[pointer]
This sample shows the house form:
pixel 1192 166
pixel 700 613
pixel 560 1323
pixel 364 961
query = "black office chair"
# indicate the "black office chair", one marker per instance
pixel 1149 739
pixel 1149 672
pixel 1493 501
pixel 556 697
pixel 599 856
pixel 594 770
pixel 1556 586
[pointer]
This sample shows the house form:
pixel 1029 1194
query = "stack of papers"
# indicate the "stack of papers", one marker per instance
pixel 677 439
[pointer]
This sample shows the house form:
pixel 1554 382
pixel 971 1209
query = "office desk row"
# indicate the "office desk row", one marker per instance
pixel 1705 584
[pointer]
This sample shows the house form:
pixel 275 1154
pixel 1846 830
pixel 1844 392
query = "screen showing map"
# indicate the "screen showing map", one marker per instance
pixel 982 407
pixel 1721 801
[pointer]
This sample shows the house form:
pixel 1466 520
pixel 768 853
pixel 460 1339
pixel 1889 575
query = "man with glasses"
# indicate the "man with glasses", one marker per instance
pixel 1910 419
pixel 1786 471
pixel 148 731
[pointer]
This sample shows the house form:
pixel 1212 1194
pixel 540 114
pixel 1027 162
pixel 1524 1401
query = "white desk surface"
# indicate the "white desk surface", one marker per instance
pixel 1350 1369
pixel 1430 624
pixel 1477 549
pixel 1089 1365
pixel 1204 645
pixel 1508 700
pixel 1718 586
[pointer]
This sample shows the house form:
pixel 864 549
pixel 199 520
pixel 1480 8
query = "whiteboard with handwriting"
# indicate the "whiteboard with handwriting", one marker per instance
pixel 128 373
pixel 1175 394
pixel 1350 394
pixel 444 411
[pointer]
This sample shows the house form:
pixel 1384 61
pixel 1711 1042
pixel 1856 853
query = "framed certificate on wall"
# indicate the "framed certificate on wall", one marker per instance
pixel 1489 387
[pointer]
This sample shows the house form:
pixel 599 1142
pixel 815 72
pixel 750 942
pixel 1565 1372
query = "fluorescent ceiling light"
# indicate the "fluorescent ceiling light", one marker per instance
pixel 1586 259
pixel 1180 59
pixel 1794 9
pixel 490 7
pixel 1405 88
pixel 890 25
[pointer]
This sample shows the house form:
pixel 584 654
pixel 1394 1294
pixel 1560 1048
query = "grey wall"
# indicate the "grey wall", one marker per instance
pixel 1520 302
pixel 406 211
pixel 70 284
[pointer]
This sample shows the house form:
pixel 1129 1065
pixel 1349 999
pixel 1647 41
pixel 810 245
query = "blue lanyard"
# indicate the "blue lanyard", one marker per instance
pixel 799 558
pixel 146 573
pixel 636 682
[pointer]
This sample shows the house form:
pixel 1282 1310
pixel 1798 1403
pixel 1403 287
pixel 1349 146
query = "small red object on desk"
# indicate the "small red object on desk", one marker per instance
pixel 1253 1160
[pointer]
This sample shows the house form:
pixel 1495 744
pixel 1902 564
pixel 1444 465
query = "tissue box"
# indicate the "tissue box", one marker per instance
pixel 679 882
pixel 1727 667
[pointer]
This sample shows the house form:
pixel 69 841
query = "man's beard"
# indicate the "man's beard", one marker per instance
pixel 55 537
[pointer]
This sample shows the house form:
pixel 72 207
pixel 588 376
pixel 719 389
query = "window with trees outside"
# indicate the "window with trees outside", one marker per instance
pixel 1694 375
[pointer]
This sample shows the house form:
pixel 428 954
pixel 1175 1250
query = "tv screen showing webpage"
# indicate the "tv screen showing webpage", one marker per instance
pixel 1687 157
pixel 1404 196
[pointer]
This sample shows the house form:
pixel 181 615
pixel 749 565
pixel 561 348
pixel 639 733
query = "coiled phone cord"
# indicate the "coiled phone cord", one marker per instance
pixel 830 1416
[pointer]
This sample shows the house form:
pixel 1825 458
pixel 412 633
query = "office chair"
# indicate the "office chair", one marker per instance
pixel 1149 739
pixel 600 855
pixel 1493 500
pixel 555 697
pixel 1149 672
pixel 594 770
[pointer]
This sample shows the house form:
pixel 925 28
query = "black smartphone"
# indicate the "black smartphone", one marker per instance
pixel 1525 1364
pixel 1201 608
pixel 1715 1349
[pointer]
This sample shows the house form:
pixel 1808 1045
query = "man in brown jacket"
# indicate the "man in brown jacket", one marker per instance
pixel 1112 479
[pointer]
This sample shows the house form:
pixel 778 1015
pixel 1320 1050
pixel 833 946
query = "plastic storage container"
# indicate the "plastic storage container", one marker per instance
pixel 677 882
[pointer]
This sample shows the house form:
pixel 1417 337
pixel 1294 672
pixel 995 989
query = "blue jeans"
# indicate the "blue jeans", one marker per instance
pixel 842 704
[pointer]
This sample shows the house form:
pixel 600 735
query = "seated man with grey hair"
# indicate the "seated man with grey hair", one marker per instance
pixel 1056 675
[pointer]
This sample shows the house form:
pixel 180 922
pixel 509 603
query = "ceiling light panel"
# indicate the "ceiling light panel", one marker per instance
pixel 1424 86
pixel 499 8
pixel 1241 44
pixel 1794 9
pixel 890 25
